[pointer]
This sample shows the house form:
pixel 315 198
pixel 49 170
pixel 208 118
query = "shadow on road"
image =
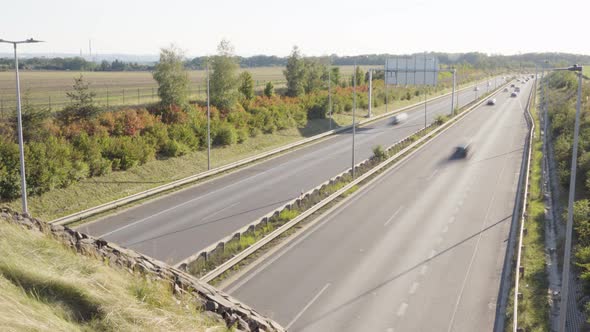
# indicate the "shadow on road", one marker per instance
pixel 324 315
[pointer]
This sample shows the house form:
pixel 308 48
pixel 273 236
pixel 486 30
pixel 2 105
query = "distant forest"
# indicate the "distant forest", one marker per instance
pixel 475 59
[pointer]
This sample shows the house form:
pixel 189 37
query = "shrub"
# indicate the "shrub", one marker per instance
pixel 172 148
pixel 379 153
pixel 9 170
pixel 127 152
pixel 226 135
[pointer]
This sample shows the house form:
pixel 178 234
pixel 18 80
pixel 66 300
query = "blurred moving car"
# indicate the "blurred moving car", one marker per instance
pixel 399 118
pixel 492 101
pixel 462 151
pixel 514 94
pixel 476 88
pixel 505 90
pixel 517 89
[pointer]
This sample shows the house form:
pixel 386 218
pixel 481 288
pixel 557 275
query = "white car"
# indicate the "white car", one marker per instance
pixel 399 118
pixel 476 88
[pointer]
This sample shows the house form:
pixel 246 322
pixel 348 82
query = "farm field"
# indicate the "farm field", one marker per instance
pixel 48 88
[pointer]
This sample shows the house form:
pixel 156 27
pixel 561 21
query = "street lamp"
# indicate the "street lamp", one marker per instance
pixel 19 122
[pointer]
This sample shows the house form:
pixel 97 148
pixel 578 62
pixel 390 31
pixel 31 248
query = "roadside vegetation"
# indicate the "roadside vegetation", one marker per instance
pixel 45 286
pixel 562 90
pixel 84 141
pixel 533 307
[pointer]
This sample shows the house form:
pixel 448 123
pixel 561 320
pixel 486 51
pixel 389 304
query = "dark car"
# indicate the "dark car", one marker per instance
pixel 514 94
pixel 462 151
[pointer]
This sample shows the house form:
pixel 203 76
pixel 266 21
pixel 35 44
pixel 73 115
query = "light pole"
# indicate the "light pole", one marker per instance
pixel 570 209
pixel 453 94
pixel 23 180
pixel 208 120
pixel 330 93
pixel 353 114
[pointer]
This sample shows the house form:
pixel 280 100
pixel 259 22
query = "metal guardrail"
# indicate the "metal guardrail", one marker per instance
pixel 523 198
pixel 273 235
pixel 193 178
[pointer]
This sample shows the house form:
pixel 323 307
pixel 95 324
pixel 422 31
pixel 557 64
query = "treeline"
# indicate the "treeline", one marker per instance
pixel 562 96
pixel 84 140
pixel 74 63
pixel 473 59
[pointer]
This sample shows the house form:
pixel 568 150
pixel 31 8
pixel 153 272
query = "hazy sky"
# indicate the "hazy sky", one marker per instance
pixel 318 27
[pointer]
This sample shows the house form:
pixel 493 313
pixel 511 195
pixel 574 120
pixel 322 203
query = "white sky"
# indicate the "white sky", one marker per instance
pixel 318 27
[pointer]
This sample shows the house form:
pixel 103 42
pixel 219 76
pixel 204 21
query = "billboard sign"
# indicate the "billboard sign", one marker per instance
pixel 414 70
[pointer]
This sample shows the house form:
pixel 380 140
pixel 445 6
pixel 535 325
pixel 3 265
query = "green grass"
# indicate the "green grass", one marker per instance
pixel 45 286
pixel 587 70
pixel 533 309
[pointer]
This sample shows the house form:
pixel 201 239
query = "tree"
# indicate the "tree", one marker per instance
pixel 335 75
pixel 269 89
pixel 316 74
pixel 246 87
pixel 224 77
pixel 295 74
pixel 172 78
pixel 360 76
pixel 81 104
pixel 33 118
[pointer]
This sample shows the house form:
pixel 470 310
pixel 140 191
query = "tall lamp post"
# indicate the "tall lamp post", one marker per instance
pixel 19 122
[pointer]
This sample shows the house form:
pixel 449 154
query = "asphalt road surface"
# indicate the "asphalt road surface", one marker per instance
pixel 420 250
pixel 178 225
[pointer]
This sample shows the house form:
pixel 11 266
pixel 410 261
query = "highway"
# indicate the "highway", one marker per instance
pixel 176 226
pixel 422 249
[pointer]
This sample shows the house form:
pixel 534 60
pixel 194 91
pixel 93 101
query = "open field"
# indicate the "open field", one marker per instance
pixel 45 286
pixel 587 70
pixel 48 88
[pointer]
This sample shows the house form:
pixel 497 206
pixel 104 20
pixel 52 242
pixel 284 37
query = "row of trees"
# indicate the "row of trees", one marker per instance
pixel 475 59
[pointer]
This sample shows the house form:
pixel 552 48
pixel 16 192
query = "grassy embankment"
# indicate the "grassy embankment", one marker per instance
pixel 533 309
pixel 97 190
pixel 45 286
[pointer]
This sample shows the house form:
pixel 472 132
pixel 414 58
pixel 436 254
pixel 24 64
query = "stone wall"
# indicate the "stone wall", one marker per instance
pixel 211 300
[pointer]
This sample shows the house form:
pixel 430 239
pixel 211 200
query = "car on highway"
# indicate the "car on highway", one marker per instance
pixel 514 94
pixel 462 151
pixel 517 89
pixel 512 85
pixel 476 88
pixel 492 101
pixel 505 90
pixel 399 118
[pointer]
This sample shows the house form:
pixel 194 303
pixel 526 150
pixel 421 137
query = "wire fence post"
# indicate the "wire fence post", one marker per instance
pixel 138 99
pixel 123 96
pixel 107 97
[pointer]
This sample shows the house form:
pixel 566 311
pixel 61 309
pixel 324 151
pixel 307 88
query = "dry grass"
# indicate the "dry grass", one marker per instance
pixel 49 87
pixel 45 286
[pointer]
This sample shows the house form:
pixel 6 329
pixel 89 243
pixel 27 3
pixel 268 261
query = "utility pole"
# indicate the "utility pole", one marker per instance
pixel 208 121
pixel 353 114
pixel 453 94
pixel 330 94
pixel 425 91
pixel 20 124
pixel 570 210
pixel 370 92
